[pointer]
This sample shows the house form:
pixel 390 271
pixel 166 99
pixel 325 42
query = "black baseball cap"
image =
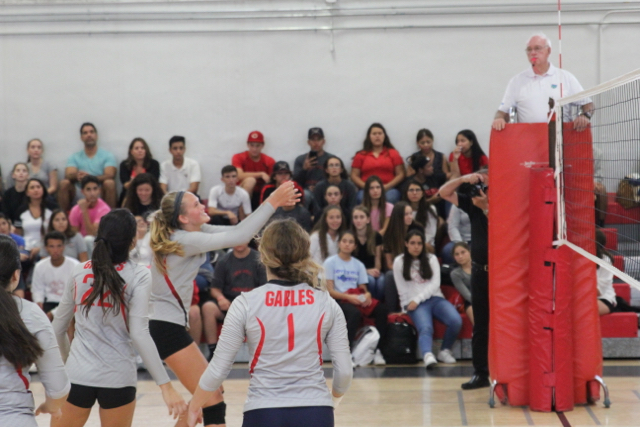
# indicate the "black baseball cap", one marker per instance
pixel 315 132
pixel 281 166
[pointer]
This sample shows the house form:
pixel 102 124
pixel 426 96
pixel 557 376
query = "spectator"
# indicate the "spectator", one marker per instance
pixel 237 271
pixel 74 245
pixel 85 216
pixel 180 173
pixel 608 301
pixel 91 161
pixel 417 277
pixel 461 275
pixel 142 253
pixel 40 168
pixel 51 274
pixel 333 197
pixel 468 156
pixel 431 170
pixel 33 217
pixel 298 213
pixel 378 157
pixel 5 228
pixel 529 92
pixel 459 228
pixel 334 173
pixel 144 195
pixel 254 168
pixel 375 200
pixel 139 160
pixel 600 188
pixel 477 207
pixel 324 239
pixel 308 168
pixel 347 284
pixel 400 223
pixel 423 212
pixel 228 204
pixel 16 196
pixel 281 173
pixel 368 250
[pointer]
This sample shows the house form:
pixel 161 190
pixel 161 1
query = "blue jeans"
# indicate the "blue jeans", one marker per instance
pixel 376 286
pixel 442 310
pixel 393 196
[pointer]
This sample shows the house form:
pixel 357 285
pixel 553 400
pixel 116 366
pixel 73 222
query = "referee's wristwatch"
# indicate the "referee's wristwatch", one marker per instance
pixel 586 114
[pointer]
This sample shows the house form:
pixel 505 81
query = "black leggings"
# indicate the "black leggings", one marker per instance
pixel 303 416
pixel 353 317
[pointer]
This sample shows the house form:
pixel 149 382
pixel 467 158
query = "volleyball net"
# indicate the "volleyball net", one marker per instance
pixel 598 174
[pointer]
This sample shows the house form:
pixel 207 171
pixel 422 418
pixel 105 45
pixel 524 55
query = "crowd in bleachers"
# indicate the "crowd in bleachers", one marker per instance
pixel 374 200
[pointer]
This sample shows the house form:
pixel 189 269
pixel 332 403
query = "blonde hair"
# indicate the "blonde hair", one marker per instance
pixel 284 250
pixel 160 234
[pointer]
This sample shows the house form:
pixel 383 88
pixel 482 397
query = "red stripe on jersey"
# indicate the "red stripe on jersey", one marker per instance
pixel 176 295
pixel 259 348
pixel 319 337
pixel 22 377
pixel 292 331
pixel 123 311
pixel 75 292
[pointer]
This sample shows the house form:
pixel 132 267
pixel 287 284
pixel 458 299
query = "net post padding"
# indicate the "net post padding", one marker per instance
pixel 550 367
pixel 577 150
pixel 512 152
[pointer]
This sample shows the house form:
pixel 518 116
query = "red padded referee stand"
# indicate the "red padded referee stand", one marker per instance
pixel 534 331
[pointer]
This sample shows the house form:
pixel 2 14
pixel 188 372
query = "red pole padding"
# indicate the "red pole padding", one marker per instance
pixel 563 331
pixel 542 376
pixel 513 152
pixel 580 217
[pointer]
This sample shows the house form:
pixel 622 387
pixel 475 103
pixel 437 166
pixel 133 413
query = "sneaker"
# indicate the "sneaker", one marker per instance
pixel 429 360
pixel 445 356
pixel 378 359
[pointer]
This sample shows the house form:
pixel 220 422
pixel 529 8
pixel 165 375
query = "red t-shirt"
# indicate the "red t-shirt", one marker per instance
pixel 466 163
pixel 265 164
pixel 383 166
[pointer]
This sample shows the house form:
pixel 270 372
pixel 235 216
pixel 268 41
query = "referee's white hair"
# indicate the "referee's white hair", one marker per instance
pixel 543 36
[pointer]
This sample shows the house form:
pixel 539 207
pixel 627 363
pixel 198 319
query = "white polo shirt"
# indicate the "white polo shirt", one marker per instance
pixel 178 179
pixel 530 94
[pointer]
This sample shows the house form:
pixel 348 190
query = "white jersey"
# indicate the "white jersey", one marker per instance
pixel 285 325
pixel 48 281
pixel 172 293
pixel 102 349
pixel 16 401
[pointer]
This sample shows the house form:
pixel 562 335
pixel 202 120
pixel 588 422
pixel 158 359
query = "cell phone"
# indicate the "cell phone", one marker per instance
pixel 313 154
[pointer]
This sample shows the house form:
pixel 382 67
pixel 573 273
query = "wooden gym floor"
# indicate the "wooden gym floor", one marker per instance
pixel 406 396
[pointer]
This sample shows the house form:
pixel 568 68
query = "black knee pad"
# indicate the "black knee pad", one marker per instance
pixel 214 414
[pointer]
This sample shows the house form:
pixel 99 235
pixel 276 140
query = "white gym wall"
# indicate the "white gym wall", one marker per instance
pixel 215 70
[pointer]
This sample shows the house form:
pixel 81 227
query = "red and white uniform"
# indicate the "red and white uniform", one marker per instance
pixel 285 325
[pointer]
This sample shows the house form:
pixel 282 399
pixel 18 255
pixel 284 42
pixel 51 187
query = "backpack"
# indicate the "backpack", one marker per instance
pixel 400 346
pixel 364 347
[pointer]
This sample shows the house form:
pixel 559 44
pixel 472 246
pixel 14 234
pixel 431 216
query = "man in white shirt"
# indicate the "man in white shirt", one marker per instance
pixel 51 274
pixel 228 203
pixel 529 92
pixel 180 173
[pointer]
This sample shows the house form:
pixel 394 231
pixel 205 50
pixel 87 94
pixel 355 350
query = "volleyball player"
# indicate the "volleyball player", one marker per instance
pixel 26 337
pixel 179 237
pixel 109 299
pixel 285 322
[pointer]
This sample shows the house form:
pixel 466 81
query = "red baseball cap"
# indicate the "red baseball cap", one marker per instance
pixel 256 136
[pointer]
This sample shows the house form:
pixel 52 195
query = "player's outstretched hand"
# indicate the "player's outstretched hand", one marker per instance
pixel 285 195
pixel 174 401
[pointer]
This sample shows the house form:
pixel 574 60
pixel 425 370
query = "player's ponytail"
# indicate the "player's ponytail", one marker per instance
pixel 17 344
pixel 116 232
pixel 284 250
pixel 163 224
